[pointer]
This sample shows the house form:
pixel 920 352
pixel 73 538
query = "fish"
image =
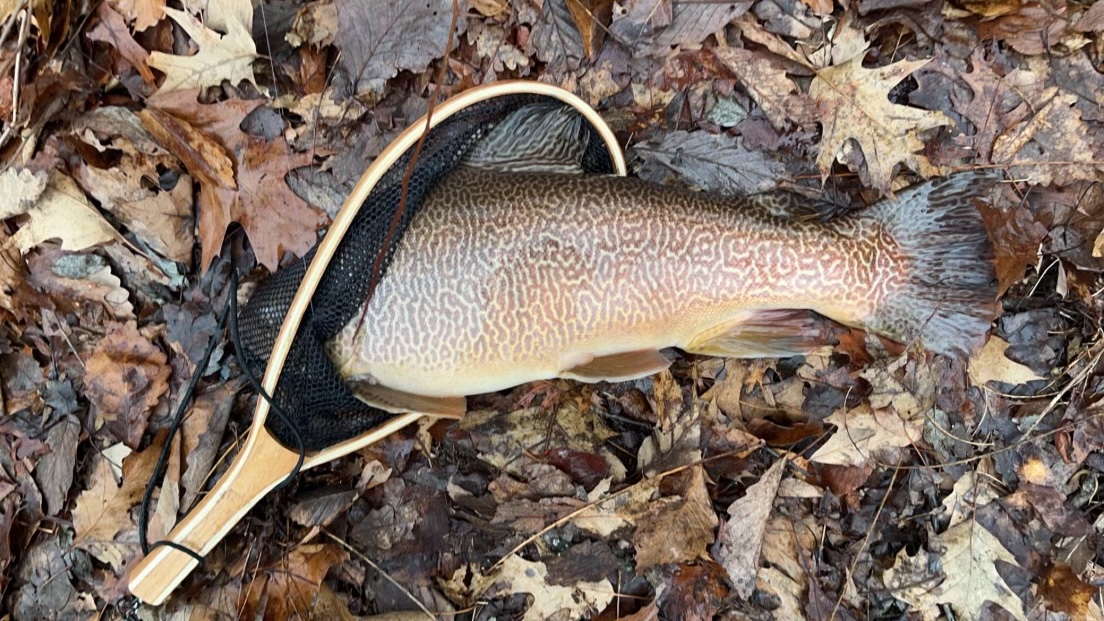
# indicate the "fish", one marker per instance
pixel 518 267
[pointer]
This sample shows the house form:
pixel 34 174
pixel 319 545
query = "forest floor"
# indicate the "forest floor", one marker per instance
pixel 149 148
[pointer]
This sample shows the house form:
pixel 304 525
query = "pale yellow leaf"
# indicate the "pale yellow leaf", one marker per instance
pixel 103 510
pixel 741 536
pixel 581 600
pixel 63 212
pixel 968 553
pixel 864 435
pixel 21 189
pixel 1098 247
pixel 220 57
pixel 855 109
pixel 990 364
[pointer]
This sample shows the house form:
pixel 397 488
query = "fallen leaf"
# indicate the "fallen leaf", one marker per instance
pixel 554 38
pixel 959 572
pixel 60 212
pixel 1054 133
pixel 864 436
pixel 517 575
pixel 493 43
pixel 73 278
pixel 712 162
pixel 45 585
pixel 657 28
pixel 378 40
pixel 592 18
pixel 220 57
pixel 144 13
pixel 857 114
pixel 1032 27
pixel 740 538
pixel 205 158
pixel 275 218
pixel 765 78
pixel 291 586
pixel 112 29
pixel 787 549
pixel 103 510
pixel 1062 591
pixel 990 364
pixel 315 24
pixel 676 529
pixel 54 471
pixel 202 434
pixel 126 376
pixel 1017 234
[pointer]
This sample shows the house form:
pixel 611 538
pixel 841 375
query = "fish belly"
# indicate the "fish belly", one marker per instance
pixel 503 279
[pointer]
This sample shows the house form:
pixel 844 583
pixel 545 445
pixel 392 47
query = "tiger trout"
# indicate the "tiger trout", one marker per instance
pixel 519 268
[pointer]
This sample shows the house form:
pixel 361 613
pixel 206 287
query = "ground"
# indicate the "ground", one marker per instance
pixel 150 148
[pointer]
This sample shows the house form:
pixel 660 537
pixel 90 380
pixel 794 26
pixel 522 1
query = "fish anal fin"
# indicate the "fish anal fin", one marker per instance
pixel 399 402
pixel 619 367
pixel 764 334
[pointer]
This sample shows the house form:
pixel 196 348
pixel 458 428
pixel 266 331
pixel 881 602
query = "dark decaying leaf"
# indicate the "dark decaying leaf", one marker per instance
pixel 55 470
pixel 656 28
pixel 379 40
pixel 714 162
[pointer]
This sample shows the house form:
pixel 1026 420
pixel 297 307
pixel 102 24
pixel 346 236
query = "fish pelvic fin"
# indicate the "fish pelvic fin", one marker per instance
pixel 948 300
pixel 619 367
pixel 770 333
pixel 399 402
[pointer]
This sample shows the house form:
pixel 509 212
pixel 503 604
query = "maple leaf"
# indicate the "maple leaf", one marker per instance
pixel 856 112
pixel 103 510
pixel 126 375
pixel 968 578
pixel 220 57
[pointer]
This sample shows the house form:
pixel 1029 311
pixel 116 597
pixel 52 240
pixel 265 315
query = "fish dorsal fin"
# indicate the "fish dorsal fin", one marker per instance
pixel 538 137
pixel 399 402
pixel 620 367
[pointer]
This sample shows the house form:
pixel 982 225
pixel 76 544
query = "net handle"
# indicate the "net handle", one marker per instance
pixel 263 462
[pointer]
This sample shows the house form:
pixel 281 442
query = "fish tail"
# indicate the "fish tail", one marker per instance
pixel 948 300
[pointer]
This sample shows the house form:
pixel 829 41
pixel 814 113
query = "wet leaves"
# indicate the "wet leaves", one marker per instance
pixel 143 142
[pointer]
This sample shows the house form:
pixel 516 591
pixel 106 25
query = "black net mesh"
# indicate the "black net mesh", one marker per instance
pixel 310 392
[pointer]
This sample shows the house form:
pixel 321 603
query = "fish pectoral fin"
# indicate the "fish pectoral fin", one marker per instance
pixel 399 402
pixel 764 334
pixel 619 367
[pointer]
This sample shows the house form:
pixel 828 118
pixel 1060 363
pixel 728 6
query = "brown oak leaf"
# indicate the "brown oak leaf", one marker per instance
pixel 275 218
pixel 126 375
